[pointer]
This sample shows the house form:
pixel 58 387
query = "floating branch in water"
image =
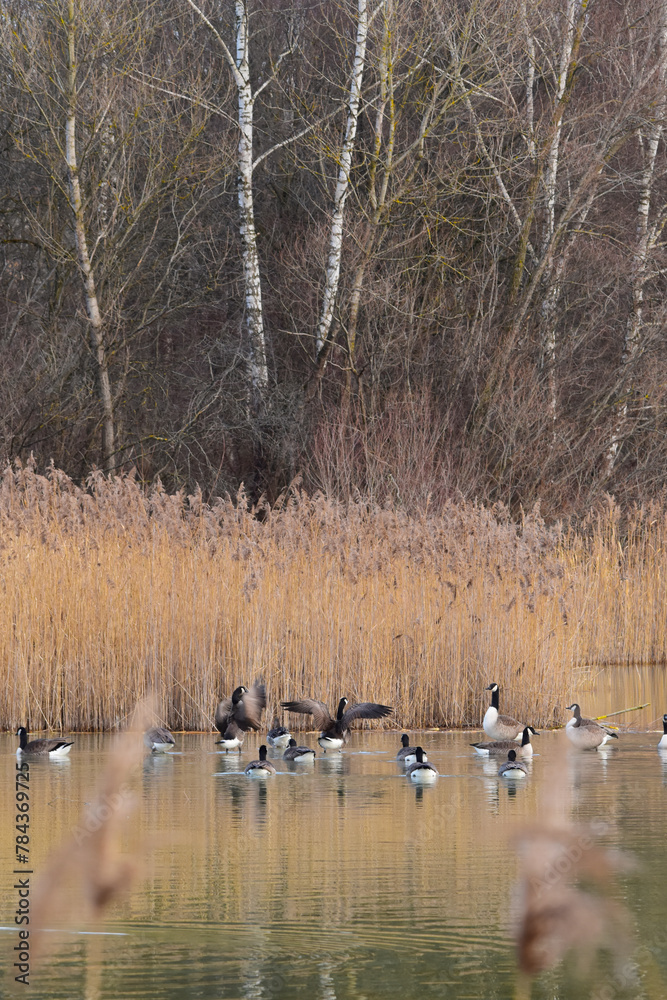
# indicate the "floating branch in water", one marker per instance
pixel 622 711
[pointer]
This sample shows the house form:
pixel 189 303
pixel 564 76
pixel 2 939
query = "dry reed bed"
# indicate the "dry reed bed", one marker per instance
pixel 111 591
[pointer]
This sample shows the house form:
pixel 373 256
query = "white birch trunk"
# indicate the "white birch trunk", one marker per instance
pixel 632 340
pixel 530 87
pixel 378 198
pixel 575 11
pixel 96 329
pixel 343 183
pixel 239 65
pixel 254 315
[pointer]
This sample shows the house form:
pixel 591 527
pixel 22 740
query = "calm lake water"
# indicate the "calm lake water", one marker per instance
pixel 340 880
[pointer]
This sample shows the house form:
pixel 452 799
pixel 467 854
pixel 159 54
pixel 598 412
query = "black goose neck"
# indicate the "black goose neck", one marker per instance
pixel 341 709
pixel 495 699
pixel 405 739
pixel 262 752
pixel 23 738
pixel 664 724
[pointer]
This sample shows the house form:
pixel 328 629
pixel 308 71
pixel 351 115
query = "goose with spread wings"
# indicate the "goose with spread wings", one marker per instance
pixel 334 732
pixel 236 715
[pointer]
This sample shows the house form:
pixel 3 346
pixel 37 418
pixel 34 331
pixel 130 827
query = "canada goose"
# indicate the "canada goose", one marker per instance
pixel 303 755
pixel 261 768
pixel 236 715
pixel 662 745
pixel 512 768
pixel 408 754
pixel 334 732
pixel 279 736
pixel 158 739
pixel 41 748
pixel 586 734
pixel 525 749
pixel 420 772
pixel 500 727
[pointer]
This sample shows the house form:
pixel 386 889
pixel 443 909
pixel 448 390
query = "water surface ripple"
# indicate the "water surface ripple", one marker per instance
pixel 339 880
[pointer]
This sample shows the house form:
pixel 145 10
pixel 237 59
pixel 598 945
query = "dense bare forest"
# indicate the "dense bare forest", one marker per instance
pixel 407 250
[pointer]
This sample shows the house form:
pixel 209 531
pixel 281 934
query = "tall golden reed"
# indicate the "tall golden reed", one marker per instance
pixel 112 591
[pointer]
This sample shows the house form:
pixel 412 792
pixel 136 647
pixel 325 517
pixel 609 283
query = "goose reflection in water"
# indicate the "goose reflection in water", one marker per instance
pixel 327 981
pixel 233 799
pixel 157 765
pixel 419 793
pixel 334 763
pixel 259 814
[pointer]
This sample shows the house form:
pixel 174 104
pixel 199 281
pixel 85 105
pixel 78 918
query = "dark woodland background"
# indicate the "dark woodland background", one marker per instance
pixel 499 322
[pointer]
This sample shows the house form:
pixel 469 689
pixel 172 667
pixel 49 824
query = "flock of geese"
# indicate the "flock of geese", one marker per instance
pixel 242 711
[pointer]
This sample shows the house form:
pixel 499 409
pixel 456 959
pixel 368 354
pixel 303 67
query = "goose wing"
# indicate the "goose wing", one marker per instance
pixel 308 706
pixel 507 720
pixel 160 735
pixel 248 711
pixel 499 746
pixel 223 715
pixel 366 710
pixel 47 746
pixel 593 725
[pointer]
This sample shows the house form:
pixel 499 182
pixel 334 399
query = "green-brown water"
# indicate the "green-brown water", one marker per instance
pixel 340 880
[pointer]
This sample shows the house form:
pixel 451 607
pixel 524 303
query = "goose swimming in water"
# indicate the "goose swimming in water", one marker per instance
pixel 524 749
pixel 420 772
pixel 302 755
pixel 407 754
pixel 278 736
pixel 261 768
pixel 512 768
pixel 662 745
pixel 41 748
pixel 334 732
pixel 158 739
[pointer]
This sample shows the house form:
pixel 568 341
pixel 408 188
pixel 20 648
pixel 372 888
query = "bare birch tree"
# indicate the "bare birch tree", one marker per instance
pixel 64 17
pixel 575 18
pixel 343 181
pixel 463 222
pixel 129 218
pixel 538 274
pixel 239 66
pixel 648 233
pixel 97 338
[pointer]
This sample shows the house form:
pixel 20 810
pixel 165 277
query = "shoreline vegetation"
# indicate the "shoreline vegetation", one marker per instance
pixel 111 591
